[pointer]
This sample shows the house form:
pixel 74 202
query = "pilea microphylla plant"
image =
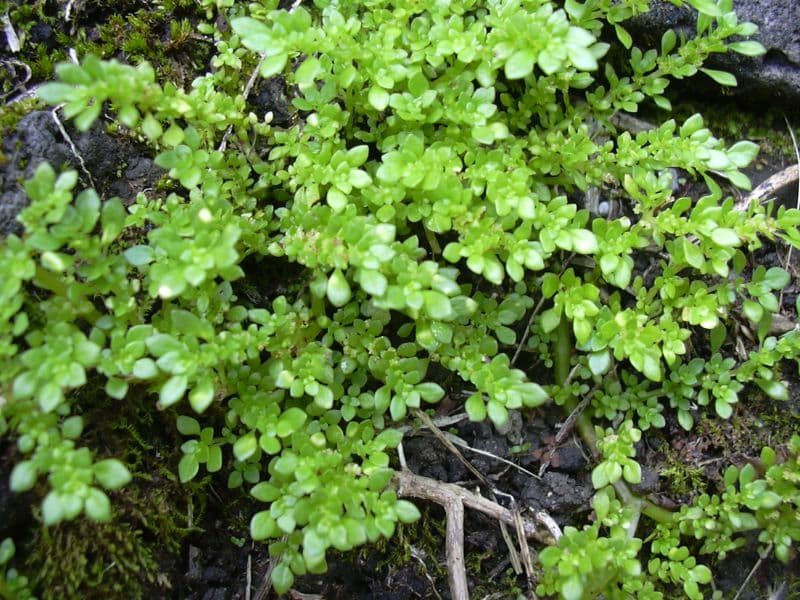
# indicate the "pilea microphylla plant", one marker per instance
pixel 425 196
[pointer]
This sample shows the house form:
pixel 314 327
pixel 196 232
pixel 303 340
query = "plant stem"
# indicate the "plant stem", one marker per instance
pixel 562 359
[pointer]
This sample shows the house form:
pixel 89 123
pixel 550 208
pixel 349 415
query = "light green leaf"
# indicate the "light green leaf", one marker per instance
pixel 188 467
pixel 282 577
pixel 725 237
pixel 273 65
pixel 476 408
pixel 583 241
pixel 262 526
pixel 23 476
pixel 338 290
pixel 201 395
pixel 97 506
pixel 748 48
pixel 111 473
pixel 520 64
pixel 172 390
pixel 378 98
pixel 437 305
pixel 290 421
pixel 406 511
pixel 245 447
pixel 721 77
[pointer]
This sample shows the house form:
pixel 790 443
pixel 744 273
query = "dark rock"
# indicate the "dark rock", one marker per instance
pixel 648 484
pixel 774 77
pixel 558 494
pixel 569 459
pixel 116 165
pixel 42 33
pixel 215 594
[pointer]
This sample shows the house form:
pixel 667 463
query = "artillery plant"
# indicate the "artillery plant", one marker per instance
pixel 425 198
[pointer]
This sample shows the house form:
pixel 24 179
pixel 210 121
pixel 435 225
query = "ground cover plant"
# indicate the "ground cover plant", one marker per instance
pixel 426 204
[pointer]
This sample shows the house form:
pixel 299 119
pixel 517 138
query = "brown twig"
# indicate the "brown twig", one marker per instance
pixel 771 185
pixel 411 485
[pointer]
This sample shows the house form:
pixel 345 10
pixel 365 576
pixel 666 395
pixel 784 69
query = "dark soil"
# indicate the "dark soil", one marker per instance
pixel 197 538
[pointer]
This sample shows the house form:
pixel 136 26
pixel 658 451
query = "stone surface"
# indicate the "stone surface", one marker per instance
pixel 773 78
pixel 118 167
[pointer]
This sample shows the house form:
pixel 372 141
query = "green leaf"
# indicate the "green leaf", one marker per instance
pixel 338 290
pixel 373 282
pixel 245 447
pixel 112 220
pixel 139 255
pixel 707 7
pixel 777 390
pixel 378 98
pixel 748 48
pixel 256 36
pixel 725 237
pixel 307 72
pixel 111 473
pixel 721 77
pixel 23 476
pixel 97 506
pixel 273 65
pixel 437 305
pixel 263 526
pixel 623 36
pixel 188 425
pixel 583 241
pixel 172 390
pixel 188 467
pixel 72 427
pixel 406 511
pixel 498 413
pixel 201 395
pixel 476 408
pixel 430 392
pixel 290 421
pixel 282 577
pixel 572 588
pixel 776 278
pixel 56 93
pixel 520 64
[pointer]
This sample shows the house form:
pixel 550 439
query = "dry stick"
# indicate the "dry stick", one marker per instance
pixel 72 147
pixel 751 573
pixel 248 577
pixel 411 485
pixel 797 204
pixel 772 184
pixel 512 551
pixel 525 333
pixel 245 93
pixel 456 571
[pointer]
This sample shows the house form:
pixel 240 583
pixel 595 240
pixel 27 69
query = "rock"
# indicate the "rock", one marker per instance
pixel 774 77
pixel 117 166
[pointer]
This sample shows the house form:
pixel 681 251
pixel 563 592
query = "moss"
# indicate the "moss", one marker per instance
pixel 132 31
pixel 684 479
pixel 82 559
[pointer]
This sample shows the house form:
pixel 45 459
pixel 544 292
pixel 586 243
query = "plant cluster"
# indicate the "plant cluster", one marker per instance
pixel 426 193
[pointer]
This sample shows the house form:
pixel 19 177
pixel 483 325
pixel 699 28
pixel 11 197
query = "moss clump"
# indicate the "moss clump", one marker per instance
pixel 83 559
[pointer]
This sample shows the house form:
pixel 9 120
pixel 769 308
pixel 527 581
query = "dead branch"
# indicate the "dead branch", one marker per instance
pixel 767 188
pixel 411 485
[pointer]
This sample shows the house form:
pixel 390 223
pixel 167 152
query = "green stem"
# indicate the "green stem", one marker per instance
pixel 562 360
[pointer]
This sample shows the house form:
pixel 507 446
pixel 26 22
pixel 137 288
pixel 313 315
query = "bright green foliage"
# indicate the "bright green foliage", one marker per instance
pixel 585 564
pixel 618 456
pixel 12 584
pixel 422 196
